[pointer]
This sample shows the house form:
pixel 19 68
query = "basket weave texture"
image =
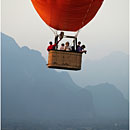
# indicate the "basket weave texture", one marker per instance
pixel 64 60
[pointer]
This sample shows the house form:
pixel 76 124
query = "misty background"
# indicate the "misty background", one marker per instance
pixel 35 97
pixel 98 93
pixel 106 33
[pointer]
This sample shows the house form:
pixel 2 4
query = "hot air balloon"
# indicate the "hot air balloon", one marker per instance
pixel 66 15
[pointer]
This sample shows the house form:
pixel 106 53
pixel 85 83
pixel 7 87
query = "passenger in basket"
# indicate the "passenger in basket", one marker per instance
pixel 81 49
pixel 61 35
pixel 78 46
pixel 62 46
pixel 51 47
pixel 67 47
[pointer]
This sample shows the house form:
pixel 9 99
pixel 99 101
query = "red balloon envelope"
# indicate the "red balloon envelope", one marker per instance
pixel 67 15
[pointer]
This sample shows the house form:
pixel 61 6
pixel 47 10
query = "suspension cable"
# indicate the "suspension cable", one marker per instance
pixel 76 35
pixel 90 5
pixel 54 31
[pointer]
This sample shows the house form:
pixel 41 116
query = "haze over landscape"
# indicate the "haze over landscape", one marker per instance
pixel 28 96
pixel 37 98
pixel 106 33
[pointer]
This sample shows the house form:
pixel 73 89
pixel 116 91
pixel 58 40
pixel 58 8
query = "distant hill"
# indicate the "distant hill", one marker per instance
pixel 113 69
pixel 109 102
pixel 32 91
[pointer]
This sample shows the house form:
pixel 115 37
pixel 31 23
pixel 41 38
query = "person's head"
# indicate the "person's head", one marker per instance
pixel 67 43
pixel 83 46
pixel 79 43
pixel 61 35
pixel 62 44
pixel 50 43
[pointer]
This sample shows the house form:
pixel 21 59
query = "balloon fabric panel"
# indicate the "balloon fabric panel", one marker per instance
pixel 67 15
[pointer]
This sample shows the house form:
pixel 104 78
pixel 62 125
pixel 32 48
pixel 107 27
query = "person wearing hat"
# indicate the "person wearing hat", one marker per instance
pixel 78 46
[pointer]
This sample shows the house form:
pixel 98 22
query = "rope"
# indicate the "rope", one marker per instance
pixel 54 31
pixel 90 5
pixel 77 33
pixel 84 17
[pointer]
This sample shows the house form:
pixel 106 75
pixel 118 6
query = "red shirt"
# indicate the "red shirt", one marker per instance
pixel 51 47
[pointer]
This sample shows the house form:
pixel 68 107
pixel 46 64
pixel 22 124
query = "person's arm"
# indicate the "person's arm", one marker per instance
pixel 83 51
pixel 70 48
pixel 58 41
pixel 55 44
pixel 65 48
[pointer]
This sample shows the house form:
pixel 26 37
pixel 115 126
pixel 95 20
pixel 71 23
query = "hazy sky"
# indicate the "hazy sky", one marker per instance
pixel 106 33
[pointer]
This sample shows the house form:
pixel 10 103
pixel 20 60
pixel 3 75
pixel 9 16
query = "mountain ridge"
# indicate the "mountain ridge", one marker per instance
pixel 32 91
pixel 37 92
pixel 112 68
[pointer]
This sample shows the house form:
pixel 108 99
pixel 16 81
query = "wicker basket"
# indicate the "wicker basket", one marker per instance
pixel 64 60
